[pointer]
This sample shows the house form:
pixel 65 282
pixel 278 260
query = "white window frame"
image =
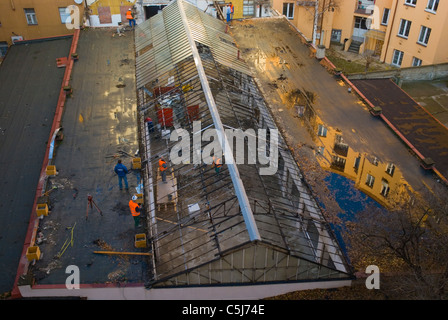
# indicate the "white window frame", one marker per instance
pixel 30 16
pixel 412 3
pixel 384 188
pixel 322 131
pixel 390 169
pixel 416 62
pixel 397 62
pixel 248 8
pixel 370 180
pixel 289 5
pixel 64 15
pixel 431 5
pixel 425 35
pixel 405 28
pixel 386 14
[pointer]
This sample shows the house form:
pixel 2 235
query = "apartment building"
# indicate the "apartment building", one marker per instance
pixel 31 19
pixel 402 33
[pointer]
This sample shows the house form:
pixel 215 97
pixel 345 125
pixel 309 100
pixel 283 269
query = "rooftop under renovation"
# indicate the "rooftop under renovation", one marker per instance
pixel 249 130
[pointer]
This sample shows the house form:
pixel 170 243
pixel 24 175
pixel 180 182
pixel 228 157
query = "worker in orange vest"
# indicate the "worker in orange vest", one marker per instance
pixel 162 168
pixel 217 164
pixel 135 210
pixel 130 17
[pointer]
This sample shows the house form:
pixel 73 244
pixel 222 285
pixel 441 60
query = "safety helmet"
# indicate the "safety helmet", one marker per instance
pixel 134 198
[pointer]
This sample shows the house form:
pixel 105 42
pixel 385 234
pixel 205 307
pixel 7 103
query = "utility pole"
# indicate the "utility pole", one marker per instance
pixel 316 17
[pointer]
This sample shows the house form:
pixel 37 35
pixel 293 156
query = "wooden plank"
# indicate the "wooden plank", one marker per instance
pixel 124 253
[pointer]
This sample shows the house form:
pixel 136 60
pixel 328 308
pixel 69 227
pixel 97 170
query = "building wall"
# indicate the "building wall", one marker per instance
pixel 342 20
pixel 436 49
pixel 14 23
pixel 110 8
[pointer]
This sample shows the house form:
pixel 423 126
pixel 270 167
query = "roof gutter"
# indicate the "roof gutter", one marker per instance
pixel 233 170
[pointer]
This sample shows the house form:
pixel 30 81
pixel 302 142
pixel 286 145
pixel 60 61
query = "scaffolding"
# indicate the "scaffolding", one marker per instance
pixel 236 226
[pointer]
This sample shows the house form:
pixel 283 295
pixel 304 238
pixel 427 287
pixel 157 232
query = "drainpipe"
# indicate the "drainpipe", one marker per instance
pixel 391 30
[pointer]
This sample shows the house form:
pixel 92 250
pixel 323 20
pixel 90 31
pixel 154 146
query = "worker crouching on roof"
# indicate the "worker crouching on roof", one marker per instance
pixel 162 168
pixel 135 210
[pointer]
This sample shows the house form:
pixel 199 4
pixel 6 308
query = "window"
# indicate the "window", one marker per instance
pixel 370 180
pixel 362 23
pixel 336 35
pixel 397 58
pixel 30 16
pixel 423 38
pixel 405 26
pixel 410 2
pixel 416 62
pixel 385 18
pixel 322 131
pixel 432 5
pixel 248 8
pixel 64 15
pixel 390 169
pixel 384 188
pixel 288 10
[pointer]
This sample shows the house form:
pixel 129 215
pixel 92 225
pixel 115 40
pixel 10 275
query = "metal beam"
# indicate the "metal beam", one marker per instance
pixel 233 170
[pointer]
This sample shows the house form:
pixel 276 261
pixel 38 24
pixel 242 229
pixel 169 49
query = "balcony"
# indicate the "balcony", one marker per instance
pixel 365 7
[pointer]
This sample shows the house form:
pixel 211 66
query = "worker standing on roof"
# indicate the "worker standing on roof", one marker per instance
pixel 135 210
pixel 217 164
pixel 162 168
pixel 228 13
pixel 232 11
pixel 121 171
pixel 130 17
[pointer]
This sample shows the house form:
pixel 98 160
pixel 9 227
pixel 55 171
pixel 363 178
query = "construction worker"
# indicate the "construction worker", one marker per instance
pixel 135 210
pixel 217 164
pixel 121 171
pixel 130 17
pixel 232 11
pixel 149 123
pixel 162 168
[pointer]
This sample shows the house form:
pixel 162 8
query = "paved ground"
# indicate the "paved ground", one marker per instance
pixel 99 127
pixel 29 89
pixel 284 64
pixel 425 133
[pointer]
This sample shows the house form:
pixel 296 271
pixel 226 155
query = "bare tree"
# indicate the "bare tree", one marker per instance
pixel 408 242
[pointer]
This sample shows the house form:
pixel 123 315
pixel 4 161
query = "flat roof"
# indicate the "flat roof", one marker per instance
pixel 428 135
pixel 30 83
pixel 99 127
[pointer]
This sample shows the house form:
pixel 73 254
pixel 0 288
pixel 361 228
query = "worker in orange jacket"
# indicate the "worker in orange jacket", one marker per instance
pixel 135 210
pixel 217 164
pixel 162 168
pixel 130 17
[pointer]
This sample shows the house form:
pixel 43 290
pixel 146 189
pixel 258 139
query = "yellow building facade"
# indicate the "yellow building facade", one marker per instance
pixel 32 19
pixel 402 33
pixel 377 178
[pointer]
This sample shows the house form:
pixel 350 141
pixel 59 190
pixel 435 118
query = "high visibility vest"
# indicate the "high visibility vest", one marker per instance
pixel 161 163
pixel 232 8
pixel 133 206
pixel 217 162
pixel 129 15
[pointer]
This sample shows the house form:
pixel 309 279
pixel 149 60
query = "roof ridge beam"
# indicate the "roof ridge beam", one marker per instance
pixel 240 191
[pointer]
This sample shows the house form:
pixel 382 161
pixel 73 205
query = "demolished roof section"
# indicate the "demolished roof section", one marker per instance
pixel 239 226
